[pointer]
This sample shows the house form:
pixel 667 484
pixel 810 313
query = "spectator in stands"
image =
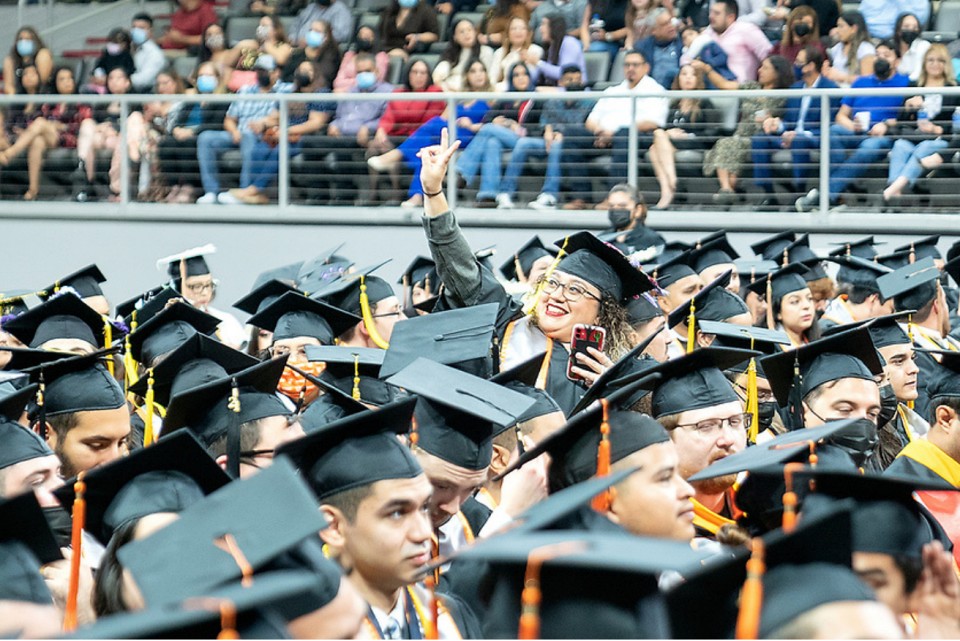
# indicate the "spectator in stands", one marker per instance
pixel 663 47
pixel 340 151
pixel 334 12
pixel 304 118
pixel 148 58
pixel 366 41
pixel 463 47
pixel 27 49
pixel 270 39
pixel 561 122
pixel 694 13
pixel 610 121
pixel 912 47
pixel 729 155
pixel 574 14
pixel 924 125
pixel 145 128
pixel 827 12
pixel 408 26
pixel 21 114
pixel 517 46
pixel 637 19
pixel 755 11
pixel 743 42
pixel 213 48
pixel 862 125
pixel 177 152
pixel 402 117
pixel 692 125
pixel 57 126
pixel 561 50
pixel 115 55
pixel 612 34
pixel 881 15
pixel 469 119
pixel 321 48
pixel 497 19
pixel 503 126
pixel 798 130
pixel 242 126
pixel 188 23
pixel 853 55
pixel 101 132
pixel 802 30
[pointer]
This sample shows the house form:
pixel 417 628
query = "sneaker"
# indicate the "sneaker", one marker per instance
pixel 209 198
pixel 226 198
pixel 809 202
pixel 543 202
pixel 504 201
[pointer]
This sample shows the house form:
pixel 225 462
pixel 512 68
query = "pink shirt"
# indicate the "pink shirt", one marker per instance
pixel 744 44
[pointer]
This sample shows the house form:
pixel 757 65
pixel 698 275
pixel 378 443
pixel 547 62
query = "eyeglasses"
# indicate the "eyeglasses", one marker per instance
pixel 633 64
pixel 712 426
pixel 940 60
pixel 763 396
pixel 572 291
pixel 283 350
pixel 199 288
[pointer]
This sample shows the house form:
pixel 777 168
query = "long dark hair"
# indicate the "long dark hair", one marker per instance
pixel 898 28
pixel 108 585
pixel 15 55
pixel 558 29
pixel 855 19
pixel 205 53
pixel 453 51
pixel 406 74
pixel 53 83
pixel 784 71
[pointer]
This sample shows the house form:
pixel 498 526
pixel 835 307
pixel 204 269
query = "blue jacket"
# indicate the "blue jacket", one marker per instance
pixel 811 122
pixel 663 74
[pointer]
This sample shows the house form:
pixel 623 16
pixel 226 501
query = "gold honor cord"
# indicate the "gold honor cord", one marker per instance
pixel 692 327
pixel 368 320
pixel 530 302
pixel 107 341
pixel 910 404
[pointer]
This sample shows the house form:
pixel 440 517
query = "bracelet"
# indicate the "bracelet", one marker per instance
pixel 429 195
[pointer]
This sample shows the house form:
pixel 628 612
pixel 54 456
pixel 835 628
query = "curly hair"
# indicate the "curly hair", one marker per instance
pixel 613 318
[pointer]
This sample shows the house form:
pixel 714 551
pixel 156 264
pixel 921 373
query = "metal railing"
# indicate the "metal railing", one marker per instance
pixel 287 207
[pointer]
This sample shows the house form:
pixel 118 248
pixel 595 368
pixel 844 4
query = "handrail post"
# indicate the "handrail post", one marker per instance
pixel 824 181
pixel 283 148
pixel 124 152
pixel 452 167
pixel 632 145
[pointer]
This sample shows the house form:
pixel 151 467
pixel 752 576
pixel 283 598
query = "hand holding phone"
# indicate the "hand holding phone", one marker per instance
pixel 584 336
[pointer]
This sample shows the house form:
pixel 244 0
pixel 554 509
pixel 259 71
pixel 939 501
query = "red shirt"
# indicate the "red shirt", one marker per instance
pixel 402 117
pixel 191 23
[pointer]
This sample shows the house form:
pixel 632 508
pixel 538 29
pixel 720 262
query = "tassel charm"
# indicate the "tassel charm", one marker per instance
pixel 751 596
pixel 601 502
pixel 76 542
pixel 148 410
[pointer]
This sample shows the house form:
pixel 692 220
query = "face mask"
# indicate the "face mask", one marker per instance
pixel 909 36
pixel 802 29
pixel 574 87
pixel 206 84
pixel 25 47
pixel 765 414
pixel 291 383
pixel 798 72
pixel 881 68
pixel 408 4
pixel 366 80
pixel 364 45
pixel 138 35
pixel 215 42
pixel 302 80
pixel 857 441
pixel 888 404
pixel 324 3
pixel 315 39
pixel 619 218
pixel 263 32
pixel 263 78
pixel 114 48
pixel 61 524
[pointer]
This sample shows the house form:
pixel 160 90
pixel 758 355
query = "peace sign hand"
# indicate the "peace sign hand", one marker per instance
pixel 435 159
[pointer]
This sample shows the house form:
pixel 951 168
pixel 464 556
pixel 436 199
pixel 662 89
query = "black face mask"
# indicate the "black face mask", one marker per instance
pixel 802 29
pixel 888 404
pixel 881 69
pixel 574 87
pixel 302 80
pixel 324 3
pixel 619 218
pixel 909 36
pixel 61 524
pixel 364 45
pixel 765 414
pixel 857 441
pixel 263 78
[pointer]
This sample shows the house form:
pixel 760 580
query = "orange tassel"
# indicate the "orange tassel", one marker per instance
pixel 79 518
pixel 790 498
pixel 432 627
pixel 228 621
pixel 751 596
pixel 414 435
pixel 246 570
pixel 601 502
pixel 532 596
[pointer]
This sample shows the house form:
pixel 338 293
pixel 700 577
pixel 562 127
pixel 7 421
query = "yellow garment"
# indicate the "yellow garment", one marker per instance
pixel 932 457
pixel 706 519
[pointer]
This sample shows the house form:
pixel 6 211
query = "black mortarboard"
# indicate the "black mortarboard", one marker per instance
pixel 198 361
pixel 799 252
pixel 22 520
pixel 715 251
pixel 168 330
pixel 640 309
pixel 619 375
pixel 421 271
pixel 85 282
pixel 78 384
pixel 457 412
pixel 923 248
pixel 894 260
pixel 13 399
pixel 125 308
pixel 772 248
pixel 859 272
pixel 316 272
pixel 168 476
pixel 354 370
pixel 912 286
pixel 190 262
pixel 17 301
pixel 952 267
pixel 768 341
pixel 601 265
pixel 263 295
pixel 525 372
pixel 22 358
pixel 19 443
pixel 714 302
pixel 328 458
pixel 523 259
pixel 672 249
pixel 944 380
pixel 785 280
pixel 20 578
pixel 751 269
pixel 284 273
pixel 849 354
pixel 461 338
pixel 344 292
pixel 485 256
pixel 886 330
pixel 188 557
pixel 522 379
pixel 669 271
pixel 864 248
pixel 294 315
pixel 147 305
pixel 329 407
pixel 63 316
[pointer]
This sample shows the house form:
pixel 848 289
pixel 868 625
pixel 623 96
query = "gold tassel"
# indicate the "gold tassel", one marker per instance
pixel 770 321
pixel 356 377
pixel 753 403
pixel 692 327
pixel 148 409
pixel 530 303
pixel 521 277
pixel 108 341
pixel 129 365
pixel 368 321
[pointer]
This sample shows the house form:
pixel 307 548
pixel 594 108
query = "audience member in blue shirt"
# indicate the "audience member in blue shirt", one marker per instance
pixel 662 48
pixel 881 15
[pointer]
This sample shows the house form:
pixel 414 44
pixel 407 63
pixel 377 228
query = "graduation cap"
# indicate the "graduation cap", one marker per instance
pixel 884 330
pixel 778 284
pixel 16 301
pixel 284 273
pixel 671 270
pixel 713 303
pixel 22 520
pixel 85 282
pixel 461 338
pixel 168 330
pixel 63 316
pixel 672 249
pixel 640 310
pixel 14 399
pixel 894 260
pixel 22 358
pixel 315 272
pixel 952 267
pixel 457 413
pixel 191 262
pixel 294 315
pixel 751 269
pixel 923 248
pixel 799 252
pixel 760 339
pixel 229 534
pixel 354 371
pixel 147 305
pixel 772 248
pixel 520 263
pixel 329 407
pixel 169 476
pixel 485 256
pixel 714 250
pixel 526 372
pixel 20 443
pixel 77 384
pixel 944 380
pixel 601 265
pixel 345 292
pixel 912 286
pixel 263 295
pixel 864 248
pixel 423 272
pixel 328 457
pixel 612 379
pixel 859 272
pixel 849 354
pixel 20 578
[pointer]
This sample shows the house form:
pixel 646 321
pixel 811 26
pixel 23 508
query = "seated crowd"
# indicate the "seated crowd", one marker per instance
pixel 175 147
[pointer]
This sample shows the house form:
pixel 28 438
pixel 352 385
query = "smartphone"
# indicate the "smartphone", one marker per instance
pixel 584 336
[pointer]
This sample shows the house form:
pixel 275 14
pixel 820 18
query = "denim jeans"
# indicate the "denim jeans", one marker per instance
pixel 209 146
pixel 484 153
pixel 762 150
pixel 867 150
pixel 266 161
pixel 905 158
pixel 534 147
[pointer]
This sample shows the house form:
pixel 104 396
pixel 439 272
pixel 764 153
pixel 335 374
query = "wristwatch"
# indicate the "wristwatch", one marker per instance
pixel 607 37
